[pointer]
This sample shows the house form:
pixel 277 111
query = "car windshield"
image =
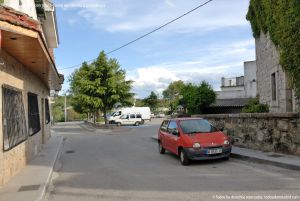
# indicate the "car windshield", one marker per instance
pixel 196 126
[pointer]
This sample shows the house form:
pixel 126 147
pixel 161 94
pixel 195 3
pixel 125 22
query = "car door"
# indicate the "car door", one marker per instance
pixel 125 119
pixel 173 136
pixel 163 134
pixel 132 119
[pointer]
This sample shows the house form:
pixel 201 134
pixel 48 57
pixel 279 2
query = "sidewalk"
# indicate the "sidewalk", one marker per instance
pixel 32 182
pixel 276 159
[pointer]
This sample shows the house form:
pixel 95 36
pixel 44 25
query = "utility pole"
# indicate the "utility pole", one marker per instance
pixel 65 107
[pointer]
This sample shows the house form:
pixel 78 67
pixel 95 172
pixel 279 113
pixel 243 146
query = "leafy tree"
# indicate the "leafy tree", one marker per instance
pixel 151 101
pixel 173 93
pixel 253 106
pixel 101 85
pixel 196 98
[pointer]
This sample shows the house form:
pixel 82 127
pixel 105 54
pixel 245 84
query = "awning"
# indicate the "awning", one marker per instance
pixel 22 38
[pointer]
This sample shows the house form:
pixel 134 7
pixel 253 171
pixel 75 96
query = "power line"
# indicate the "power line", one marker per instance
pixel 147 34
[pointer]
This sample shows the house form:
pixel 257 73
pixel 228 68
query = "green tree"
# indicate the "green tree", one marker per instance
pixel 151 101
pixel 101 85
pixel 196 98
pixel 173 93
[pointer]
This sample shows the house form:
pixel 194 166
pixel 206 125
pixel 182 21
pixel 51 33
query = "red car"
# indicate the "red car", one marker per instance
pixel 193 139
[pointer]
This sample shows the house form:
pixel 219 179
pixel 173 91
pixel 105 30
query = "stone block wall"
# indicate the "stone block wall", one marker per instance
pixel 267 61
pixel 278 132
pixel 14 74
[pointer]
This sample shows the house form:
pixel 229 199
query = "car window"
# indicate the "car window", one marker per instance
pixel 124 116
pixel 132 116
pixel 164 126
pixel 197 126
pixel 117 113
pixel 172 127
pixel 138 116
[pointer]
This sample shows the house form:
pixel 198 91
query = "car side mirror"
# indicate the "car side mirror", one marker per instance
pixel 175 132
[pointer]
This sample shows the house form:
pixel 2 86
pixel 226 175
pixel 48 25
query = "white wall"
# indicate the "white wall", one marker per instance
pixel 230 94
pixel 25 6
pixel 250 79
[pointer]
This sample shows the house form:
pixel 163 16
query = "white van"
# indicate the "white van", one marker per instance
pixel 144 111
pixel 129 119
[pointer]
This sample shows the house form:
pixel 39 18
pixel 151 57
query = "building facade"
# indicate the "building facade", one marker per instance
pixel 27 74
pixel 272 82
pixel 235 92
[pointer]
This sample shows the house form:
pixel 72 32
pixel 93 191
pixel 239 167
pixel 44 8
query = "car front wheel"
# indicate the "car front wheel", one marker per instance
pixel 160 148
pixel 183 157
pixel 119 124
pixel 137 123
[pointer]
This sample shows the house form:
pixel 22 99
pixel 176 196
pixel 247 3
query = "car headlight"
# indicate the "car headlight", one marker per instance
pixel 196 145
pixel 226 142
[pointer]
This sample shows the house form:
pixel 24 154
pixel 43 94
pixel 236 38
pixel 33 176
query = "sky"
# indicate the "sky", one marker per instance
pixel 210 43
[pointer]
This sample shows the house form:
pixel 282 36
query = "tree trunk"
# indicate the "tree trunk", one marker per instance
pixel 94 117
pixel 105 117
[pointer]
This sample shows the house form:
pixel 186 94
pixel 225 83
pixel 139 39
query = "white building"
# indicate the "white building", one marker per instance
pixel 240 87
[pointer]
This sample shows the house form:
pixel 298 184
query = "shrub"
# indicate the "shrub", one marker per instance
pixel 253 106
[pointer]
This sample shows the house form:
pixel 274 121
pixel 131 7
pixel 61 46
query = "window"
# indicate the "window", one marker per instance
pixel 164 126
pixel 132 116
pixel 172 127
pixel 197 126
pixel 274 87
pixel 33 114
pixel 47 111
pixel 14 121
pixel 138 116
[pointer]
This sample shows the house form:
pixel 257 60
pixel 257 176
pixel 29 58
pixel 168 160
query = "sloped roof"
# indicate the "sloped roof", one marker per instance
pixel 18 18
pixel 237 102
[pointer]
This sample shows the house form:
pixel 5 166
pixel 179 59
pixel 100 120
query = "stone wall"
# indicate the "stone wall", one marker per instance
pixel 14 74
pixel 279 132
pixel 267 61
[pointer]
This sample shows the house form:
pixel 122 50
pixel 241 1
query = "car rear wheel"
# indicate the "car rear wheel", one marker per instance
pixel 160 148
pixel 183 157
pixel 137 123
pixel 119 124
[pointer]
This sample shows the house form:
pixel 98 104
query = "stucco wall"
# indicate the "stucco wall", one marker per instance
pixel 250 79
pixel 230 94
pixel 267 61
pixel 27 6
pixel 14 74
pixel 268 132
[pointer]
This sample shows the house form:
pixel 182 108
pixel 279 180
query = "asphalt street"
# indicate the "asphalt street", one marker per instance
pixel 124 164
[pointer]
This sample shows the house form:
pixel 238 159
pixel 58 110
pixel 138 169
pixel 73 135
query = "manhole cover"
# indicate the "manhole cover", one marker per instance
pixel 29 188
pixel 275 155
pixel 70 152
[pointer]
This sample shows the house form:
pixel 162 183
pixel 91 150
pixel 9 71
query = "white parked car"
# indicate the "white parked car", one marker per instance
pixel 144 111
pixel 129 119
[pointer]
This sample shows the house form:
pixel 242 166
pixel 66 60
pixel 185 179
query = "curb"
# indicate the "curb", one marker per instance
pixel 264 161
pixel 256 159
pixel 44 188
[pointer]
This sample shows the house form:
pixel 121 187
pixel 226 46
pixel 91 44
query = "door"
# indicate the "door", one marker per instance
pixel 172 139
pixel 162 134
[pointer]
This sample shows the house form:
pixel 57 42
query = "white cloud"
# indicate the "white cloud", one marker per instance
pixel 136 16
pixel 221 61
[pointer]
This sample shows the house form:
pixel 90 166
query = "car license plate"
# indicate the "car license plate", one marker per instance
pixel 214 151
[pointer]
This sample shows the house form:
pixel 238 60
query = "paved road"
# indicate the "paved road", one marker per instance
pixel 125 165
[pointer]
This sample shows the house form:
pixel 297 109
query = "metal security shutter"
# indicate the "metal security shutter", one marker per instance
pixel 14 122
pixel 33 114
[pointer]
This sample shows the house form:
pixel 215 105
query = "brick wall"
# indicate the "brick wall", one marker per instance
pixel 268 132
pixel 13 73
